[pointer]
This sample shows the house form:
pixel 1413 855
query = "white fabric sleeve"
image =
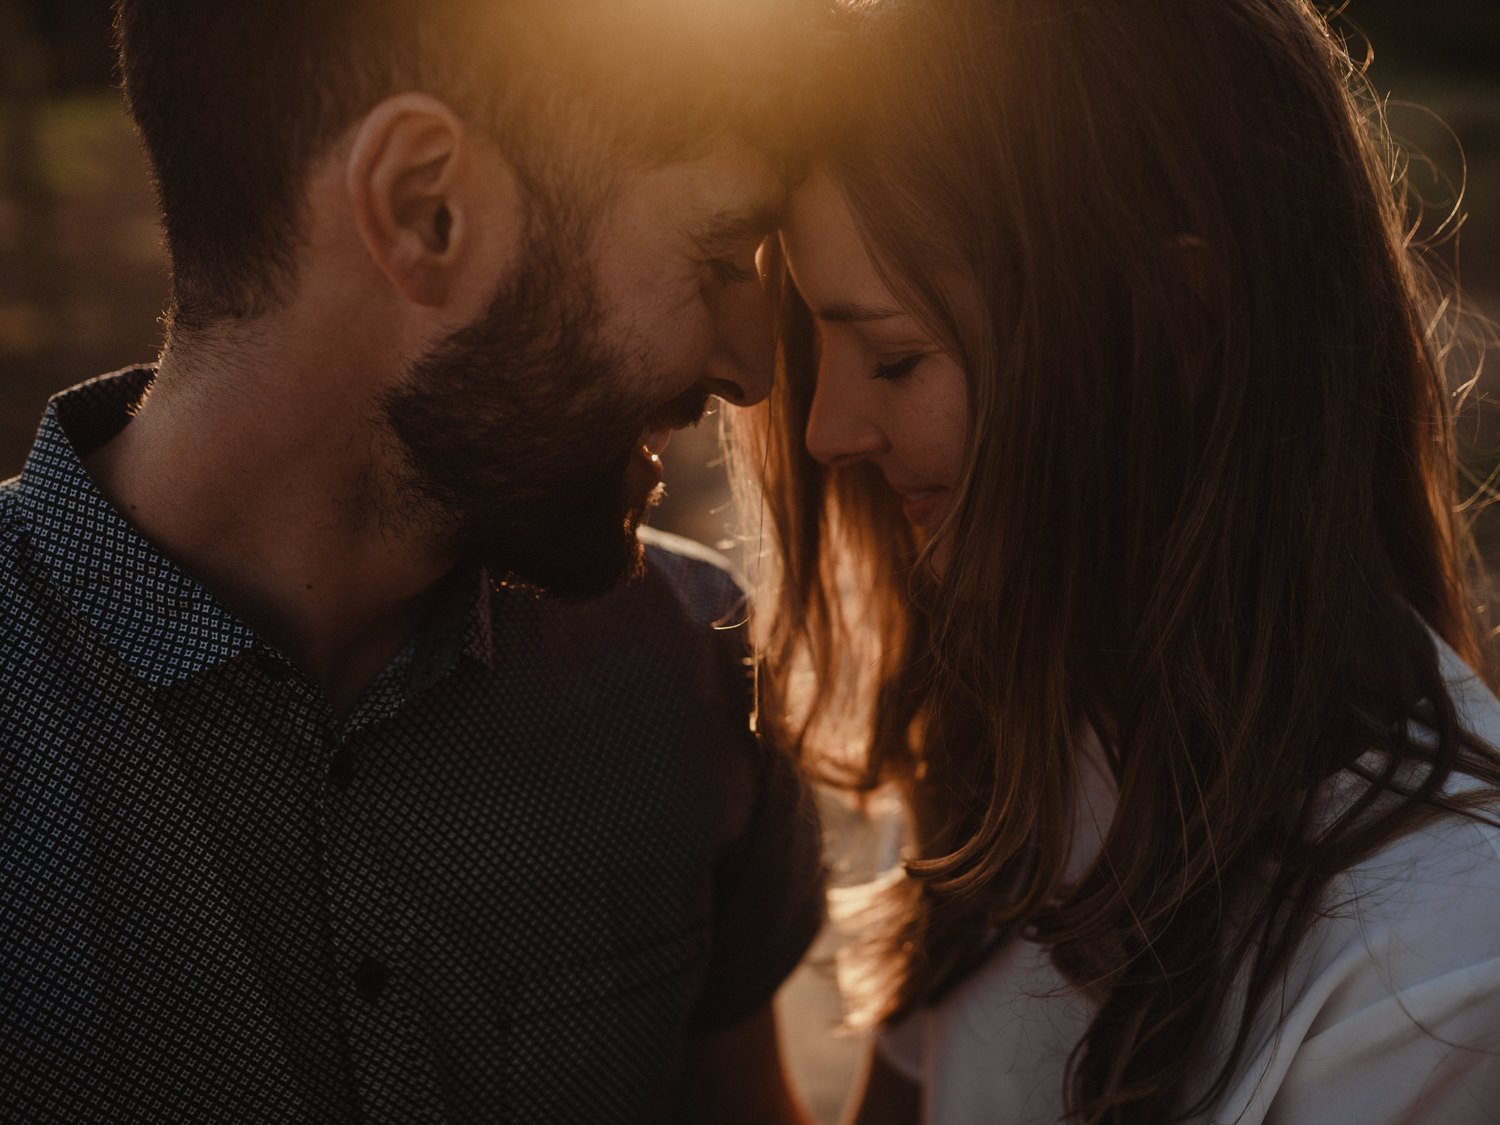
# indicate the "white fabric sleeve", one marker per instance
pixel 1393 1013
pixel 1429 1054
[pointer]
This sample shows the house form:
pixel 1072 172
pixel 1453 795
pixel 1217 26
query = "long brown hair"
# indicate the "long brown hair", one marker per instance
pixel 1208 507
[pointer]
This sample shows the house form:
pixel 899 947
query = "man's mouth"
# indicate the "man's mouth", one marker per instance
pixel 654 440
pixel 643 474
pixel 687 409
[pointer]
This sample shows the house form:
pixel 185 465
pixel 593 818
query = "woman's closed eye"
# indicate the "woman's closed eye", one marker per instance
pixel 897 369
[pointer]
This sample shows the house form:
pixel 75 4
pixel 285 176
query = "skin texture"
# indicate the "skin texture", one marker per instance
pixel 260 460
pixel 886 392
pixel 560 351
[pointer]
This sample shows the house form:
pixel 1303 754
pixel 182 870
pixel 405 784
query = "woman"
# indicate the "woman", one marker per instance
pixel 1124 537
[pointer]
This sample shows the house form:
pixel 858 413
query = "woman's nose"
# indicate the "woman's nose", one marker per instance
pixel 841 427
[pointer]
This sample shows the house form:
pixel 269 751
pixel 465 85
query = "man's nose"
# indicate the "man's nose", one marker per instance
pixel 741 364
pixel 840 428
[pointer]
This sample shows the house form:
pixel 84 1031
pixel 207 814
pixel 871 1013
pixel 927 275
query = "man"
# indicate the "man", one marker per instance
pixel 312 809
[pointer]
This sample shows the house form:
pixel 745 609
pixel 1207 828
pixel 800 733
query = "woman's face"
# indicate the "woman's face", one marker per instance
pixel 886 392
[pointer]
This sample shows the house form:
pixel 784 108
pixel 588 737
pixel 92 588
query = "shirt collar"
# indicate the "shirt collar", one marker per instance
pixel 163 624
pixel 160 622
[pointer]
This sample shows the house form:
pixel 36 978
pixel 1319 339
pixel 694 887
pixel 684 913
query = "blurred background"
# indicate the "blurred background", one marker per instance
pixel 82 284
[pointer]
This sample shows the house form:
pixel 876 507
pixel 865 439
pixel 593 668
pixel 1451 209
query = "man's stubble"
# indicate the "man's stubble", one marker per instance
pixel 517 429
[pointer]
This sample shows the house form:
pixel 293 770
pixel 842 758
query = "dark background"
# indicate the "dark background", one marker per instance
pixel 82 280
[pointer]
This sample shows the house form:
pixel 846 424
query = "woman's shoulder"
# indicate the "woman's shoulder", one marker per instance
pixel 1389 1009
pixel 1427 902
pixel 1391 1005
pixel 1448 859
pixel 1478 709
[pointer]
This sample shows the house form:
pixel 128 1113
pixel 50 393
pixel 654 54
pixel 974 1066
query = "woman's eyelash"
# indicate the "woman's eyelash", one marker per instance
pixel 892 371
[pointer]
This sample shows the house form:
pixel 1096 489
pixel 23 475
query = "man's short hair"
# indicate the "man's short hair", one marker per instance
pixel 234 102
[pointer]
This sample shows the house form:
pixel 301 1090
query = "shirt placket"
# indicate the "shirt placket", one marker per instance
pixel 395 1077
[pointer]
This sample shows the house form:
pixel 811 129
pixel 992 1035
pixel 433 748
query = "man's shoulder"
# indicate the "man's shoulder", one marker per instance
pixel 10 507
pixel 9 490
pixel 674 621
pixel 43 683
pixel 678 614
pixel 703 582
pixel 12 551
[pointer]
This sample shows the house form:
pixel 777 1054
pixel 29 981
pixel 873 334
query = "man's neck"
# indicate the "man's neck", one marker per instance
pixel 271 484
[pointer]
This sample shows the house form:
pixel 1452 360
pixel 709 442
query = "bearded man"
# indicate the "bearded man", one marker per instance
pixel 315 807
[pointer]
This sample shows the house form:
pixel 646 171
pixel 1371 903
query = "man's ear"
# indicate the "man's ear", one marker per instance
pixel 420 199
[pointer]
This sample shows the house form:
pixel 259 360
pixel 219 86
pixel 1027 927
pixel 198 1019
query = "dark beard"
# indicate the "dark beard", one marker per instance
pixel 518 430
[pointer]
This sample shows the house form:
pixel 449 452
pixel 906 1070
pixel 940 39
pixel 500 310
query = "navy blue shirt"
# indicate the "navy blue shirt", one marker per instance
pixel 542 851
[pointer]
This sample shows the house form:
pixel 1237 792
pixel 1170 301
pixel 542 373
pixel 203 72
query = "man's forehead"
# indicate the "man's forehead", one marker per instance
pixel 716 204
pixel 727 194
pixel 734 226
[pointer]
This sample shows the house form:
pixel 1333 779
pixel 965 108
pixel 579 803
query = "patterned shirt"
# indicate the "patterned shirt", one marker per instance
pixel 541 852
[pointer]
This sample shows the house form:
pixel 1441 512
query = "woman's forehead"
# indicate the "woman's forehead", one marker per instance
pixel 827 258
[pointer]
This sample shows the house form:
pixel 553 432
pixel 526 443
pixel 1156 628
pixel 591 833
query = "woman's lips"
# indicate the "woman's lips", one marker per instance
pixel 923 506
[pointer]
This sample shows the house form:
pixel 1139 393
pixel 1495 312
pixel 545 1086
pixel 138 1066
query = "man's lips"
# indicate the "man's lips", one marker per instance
pixel 687 409
pixel 645 471
pixel 655 440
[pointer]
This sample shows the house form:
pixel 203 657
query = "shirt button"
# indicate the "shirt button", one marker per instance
pixel 341 768
pixel 370 979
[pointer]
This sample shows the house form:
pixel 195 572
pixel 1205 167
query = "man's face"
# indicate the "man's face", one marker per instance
pixel 531 433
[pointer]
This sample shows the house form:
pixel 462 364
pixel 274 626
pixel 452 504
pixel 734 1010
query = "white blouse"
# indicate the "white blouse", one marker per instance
pixel 1390 1012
